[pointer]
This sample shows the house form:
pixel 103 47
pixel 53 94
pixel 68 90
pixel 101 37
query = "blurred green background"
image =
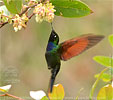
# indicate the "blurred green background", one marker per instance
pixel 23 53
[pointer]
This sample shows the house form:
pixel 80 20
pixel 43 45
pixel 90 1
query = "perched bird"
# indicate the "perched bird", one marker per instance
pixel 56 52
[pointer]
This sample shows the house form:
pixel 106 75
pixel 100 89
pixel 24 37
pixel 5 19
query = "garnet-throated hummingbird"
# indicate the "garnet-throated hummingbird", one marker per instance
pixel 56 52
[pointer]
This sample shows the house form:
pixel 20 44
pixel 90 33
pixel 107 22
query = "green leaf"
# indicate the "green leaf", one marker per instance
pixel 45 98
pixel 105 61
pixel 57 93
pixel 5 11
pixel 14 6
pixel 1 3
pixel 105 93
pixel 111 39
pixel 105 77
pixel 95 84
pixel 71 8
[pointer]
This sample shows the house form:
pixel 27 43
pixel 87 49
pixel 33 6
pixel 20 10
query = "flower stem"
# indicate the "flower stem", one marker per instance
pixel 10 95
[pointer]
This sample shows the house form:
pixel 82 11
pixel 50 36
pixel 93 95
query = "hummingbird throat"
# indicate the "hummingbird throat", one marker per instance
pixel 51 46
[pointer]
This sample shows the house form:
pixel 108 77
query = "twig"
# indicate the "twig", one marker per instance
pixel 31 15
pixel 23 11
pixel 2 95
pixel 27 9
pixel 2 24
pixel 10 95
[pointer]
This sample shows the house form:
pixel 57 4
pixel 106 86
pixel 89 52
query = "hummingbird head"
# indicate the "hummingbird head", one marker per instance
pixel 54 37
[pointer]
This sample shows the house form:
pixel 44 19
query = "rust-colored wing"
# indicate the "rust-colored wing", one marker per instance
pixel 76 46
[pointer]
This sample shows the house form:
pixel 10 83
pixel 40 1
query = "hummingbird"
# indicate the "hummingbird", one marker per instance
pixel 56 52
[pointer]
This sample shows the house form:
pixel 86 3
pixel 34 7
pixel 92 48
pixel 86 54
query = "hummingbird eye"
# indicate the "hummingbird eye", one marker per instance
pixel 55 36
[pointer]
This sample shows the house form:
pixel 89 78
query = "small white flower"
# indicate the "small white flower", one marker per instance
pixel 19 27
pixel 39 18
pixel 56 85
pixel 5 88
pixel 37 95
pixel 19 22
pixel 16 29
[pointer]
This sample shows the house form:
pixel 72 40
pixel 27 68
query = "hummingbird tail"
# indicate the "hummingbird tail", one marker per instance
pixel 53 76
pixel 51 84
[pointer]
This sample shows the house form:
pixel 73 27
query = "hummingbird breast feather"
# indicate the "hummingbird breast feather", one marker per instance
pixel 52 59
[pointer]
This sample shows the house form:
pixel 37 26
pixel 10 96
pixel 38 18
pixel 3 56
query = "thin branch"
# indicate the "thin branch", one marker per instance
pixel 10 95
pixel 2 24
pixel 27 9
pixel 2 95
pixel 31 15
pixel 6 16
pixel 24 11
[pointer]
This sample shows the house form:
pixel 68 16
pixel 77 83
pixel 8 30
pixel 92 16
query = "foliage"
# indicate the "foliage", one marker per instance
pixel 74 8
pixel 105 93
pixel 95 84
pixel 111 40
pixel 14 6
pixel 105 61
pixel 58 93
pixel 105 77
pixel 43 10
pixel 17 13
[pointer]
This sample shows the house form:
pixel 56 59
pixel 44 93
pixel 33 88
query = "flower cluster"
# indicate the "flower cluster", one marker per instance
pixel 3 17
pixel 19 22
pixel 44 12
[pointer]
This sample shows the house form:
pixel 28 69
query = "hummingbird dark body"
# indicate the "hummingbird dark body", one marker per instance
pixel 52 57
pixel 56 52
